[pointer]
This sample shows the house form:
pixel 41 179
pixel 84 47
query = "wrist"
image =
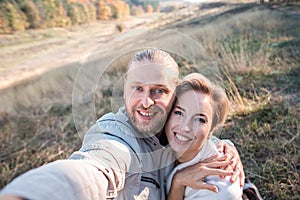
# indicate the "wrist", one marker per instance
pixel 178 182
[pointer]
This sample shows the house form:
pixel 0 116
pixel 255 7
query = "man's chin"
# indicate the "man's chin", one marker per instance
pixel 148 131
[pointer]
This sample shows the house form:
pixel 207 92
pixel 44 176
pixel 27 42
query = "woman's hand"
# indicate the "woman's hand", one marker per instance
pixel 194 176
pixel 236 166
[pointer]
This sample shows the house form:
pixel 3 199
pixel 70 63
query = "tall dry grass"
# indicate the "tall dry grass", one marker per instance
pixel 256 52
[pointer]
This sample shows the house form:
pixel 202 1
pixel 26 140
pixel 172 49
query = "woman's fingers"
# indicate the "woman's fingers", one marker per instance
pixel 210 159
pixel 238 173
pixel 215 163
pixel 206 186
pixel 194 176
pixel 219 172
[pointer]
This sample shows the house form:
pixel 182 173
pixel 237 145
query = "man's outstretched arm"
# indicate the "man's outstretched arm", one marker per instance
pixel 10 197
pixel 64 179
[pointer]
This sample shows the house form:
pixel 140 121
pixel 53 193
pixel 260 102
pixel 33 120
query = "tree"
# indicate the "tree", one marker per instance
pixel 149 8
pixel 120 9
pixel 104 11
pixel 4 24
pixel 16 18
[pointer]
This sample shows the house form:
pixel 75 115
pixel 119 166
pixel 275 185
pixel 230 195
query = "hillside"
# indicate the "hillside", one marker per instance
pixel 254 49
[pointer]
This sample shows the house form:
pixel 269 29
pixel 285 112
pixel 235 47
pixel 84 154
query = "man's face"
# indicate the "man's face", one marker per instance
pixel 148 93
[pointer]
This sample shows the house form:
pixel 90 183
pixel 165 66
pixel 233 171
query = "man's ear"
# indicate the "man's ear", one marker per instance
pixel 125 81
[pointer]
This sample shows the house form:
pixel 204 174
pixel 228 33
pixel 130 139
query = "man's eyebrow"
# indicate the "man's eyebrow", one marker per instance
pixel 156 85
pixel 201 114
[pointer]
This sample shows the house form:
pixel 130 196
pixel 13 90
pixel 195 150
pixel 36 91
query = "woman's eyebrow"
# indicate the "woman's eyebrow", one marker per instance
pixel 180 108
pixel 202 115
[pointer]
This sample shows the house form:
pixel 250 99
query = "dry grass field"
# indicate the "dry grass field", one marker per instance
pixel 256 51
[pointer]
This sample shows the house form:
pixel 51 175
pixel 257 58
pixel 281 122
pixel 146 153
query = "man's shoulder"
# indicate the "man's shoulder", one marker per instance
pixel 112 126
pixel 115 123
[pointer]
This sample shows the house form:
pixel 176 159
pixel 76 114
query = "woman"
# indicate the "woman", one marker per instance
pixel 200 107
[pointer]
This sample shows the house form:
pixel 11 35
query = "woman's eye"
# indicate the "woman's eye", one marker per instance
pixel 177 112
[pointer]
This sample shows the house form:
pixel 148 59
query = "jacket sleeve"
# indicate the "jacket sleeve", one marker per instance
pixel 63 179
pixel 97 171
pixel 107 148
pixel 112 158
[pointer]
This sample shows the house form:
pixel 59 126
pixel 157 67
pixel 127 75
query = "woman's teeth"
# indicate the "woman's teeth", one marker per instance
pixel 181 138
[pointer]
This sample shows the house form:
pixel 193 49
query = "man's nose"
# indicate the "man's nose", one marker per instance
pixel 147 101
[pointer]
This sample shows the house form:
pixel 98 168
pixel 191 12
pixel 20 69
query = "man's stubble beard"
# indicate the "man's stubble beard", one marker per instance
pixel 154 127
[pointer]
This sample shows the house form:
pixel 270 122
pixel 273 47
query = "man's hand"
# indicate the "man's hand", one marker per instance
pixel 237 166
pixel 7 197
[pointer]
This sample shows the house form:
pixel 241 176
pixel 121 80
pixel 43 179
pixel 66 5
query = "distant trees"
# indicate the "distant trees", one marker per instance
pixel 145 3
pixel 278 1
pixel 19 15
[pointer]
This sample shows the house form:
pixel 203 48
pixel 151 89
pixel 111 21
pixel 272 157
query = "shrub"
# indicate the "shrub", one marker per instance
pixel 32 13
pixel 170 8
pixel 4 24
pixel 136 10
pixel 149 9
pixel 16 18
pixel 62 18
pixel 104 11
pixel 120 10
pixel 73 13
pixel 83 13
pixel 91 12
pixel 120 27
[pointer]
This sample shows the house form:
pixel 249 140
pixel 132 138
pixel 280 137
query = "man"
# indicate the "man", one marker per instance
pixel 124 155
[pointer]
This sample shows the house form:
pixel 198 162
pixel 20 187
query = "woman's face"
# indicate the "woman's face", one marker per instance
pixel 189 124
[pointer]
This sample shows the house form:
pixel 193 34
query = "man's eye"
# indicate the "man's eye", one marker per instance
pixel 177 112
pixel 201 120
pixel 138 88
pixel 160 91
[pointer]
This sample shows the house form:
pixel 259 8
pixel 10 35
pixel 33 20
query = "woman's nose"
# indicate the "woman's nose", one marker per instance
pixel 186 126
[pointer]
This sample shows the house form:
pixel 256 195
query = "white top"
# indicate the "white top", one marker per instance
pixel 227 190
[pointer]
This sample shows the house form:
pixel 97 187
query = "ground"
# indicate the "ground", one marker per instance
pixel 255 50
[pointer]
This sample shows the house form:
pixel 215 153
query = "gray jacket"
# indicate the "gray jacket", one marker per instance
pixel 136 165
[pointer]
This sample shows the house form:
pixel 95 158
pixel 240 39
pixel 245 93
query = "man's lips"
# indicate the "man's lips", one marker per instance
pixel 146 115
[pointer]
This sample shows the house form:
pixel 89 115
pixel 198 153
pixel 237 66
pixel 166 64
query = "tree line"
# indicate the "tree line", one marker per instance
pixel 19 15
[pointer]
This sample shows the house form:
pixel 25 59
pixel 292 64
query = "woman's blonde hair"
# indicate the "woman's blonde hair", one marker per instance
pixel 219 101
